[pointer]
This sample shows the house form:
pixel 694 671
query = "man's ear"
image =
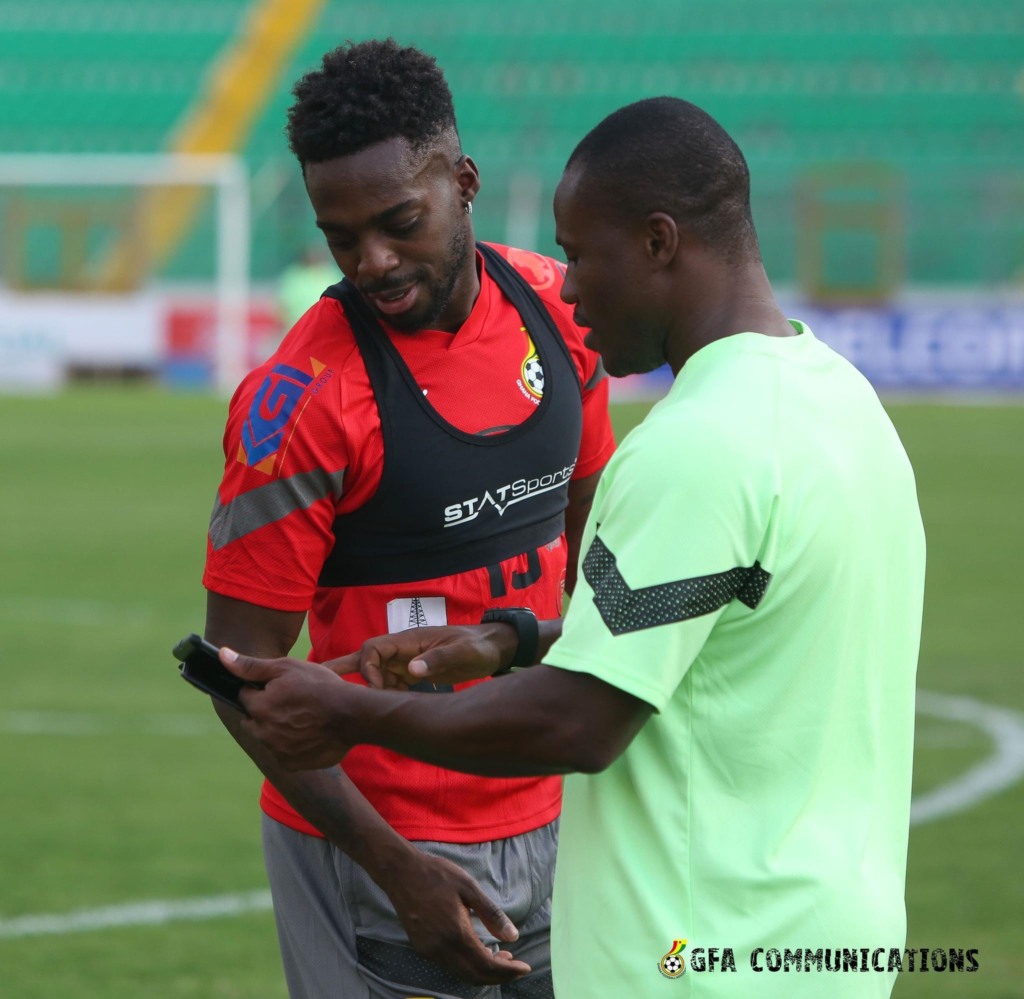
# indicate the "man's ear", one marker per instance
pixel 467 176
pixel 661 239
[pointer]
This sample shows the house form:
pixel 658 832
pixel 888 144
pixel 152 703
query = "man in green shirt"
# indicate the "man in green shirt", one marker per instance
pixel 732 691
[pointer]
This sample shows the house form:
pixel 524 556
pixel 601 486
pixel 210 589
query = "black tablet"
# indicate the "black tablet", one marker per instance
pixel 201 666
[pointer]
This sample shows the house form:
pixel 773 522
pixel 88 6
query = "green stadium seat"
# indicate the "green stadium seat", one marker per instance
pixel 930 88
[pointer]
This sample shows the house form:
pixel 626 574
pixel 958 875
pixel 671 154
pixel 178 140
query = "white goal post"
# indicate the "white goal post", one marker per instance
pixel 227 175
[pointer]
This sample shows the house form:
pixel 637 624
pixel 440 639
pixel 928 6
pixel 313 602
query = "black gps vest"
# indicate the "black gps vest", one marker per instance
pixel 450 501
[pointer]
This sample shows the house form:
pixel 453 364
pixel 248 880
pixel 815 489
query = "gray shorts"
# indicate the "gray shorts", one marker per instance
pixel 340 937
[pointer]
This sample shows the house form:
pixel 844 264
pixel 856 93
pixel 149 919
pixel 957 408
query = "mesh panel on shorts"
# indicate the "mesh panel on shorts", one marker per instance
pixel 400 965
pixel 531 987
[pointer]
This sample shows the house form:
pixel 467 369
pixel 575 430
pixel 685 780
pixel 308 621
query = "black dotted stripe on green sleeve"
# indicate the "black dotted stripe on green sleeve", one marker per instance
pixel 624 609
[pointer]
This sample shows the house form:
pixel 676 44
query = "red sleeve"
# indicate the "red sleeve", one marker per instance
pixel 284 464
pixel 597 444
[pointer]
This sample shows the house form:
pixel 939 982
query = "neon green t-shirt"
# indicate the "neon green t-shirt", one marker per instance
pixel 753 568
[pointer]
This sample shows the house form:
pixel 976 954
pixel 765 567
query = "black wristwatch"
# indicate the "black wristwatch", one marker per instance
pixel 527 634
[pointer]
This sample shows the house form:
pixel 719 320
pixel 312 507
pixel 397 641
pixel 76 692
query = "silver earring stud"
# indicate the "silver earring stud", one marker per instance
pixel 469 207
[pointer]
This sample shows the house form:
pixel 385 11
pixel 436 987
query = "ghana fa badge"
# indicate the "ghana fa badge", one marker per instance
pixel 531 370
pixel 673 964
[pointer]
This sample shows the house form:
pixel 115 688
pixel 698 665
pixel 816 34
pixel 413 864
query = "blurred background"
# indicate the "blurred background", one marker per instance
pixel 156 241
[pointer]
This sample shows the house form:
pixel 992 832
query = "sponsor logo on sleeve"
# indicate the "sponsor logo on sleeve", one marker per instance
pixel 268 424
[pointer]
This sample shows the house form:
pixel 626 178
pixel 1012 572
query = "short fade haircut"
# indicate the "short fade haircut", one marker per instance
pixel 367 93
pixel 664 154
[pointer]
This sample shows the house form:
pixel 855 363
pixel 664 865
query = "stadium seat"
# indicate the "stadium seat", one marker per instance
pixel 927 87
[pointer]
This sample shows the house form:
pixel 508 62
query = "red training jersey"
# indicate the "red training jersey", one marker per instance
pixel 303 444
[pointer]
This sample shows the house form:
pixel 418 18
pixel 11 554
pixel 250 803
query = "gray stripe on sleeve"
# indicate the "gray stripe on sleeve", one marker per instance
pixel 597 376
pixel 266 504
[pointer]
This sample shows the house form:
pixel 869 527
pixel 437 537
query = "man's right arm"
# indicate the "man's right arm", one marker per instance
pixel 325 798
pixel 431 896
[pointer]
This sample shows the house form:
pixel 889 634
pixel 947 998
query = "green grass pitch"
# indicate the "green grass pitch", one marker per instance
pixel 118 786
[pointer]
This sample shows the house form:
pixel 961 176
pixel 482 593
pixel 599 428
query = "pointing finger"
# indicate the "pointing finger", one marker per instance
pixel 344 664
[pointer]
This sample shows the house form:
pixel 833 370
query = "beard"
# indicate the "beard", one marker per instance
pixel 440 290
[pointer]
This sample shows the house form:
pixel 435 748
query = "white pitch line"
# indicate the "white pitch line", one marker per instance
pixel 1001 770
pixel 87 723
pixel 151 913
pixel 59 610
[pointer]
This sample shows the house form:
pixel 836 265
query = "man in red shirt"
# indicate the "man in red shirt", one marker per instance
pixel 421 449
